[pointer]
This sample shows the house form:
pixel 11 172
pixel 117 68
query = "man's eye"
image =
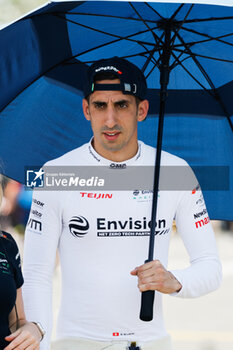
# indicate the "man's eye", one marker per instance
pixel 123 104
pixel 99 105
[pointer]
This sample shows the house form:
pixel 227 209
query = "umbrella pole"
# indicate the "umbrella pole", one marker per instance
pixel 147 298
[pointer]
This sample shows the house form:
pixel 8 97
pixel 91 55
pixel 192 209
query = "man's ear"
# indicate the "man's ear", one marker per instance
pixel 143 108
pixel 86 111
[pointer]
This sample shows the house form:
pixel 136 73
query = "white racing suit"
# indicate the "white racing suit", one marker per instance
pixel 103 235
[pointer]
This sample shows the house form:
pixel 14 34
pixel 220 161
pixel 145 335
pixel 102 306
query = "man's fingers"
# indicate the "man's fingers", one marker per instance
pixel 22 341
pixel 153 276
pixel 13 335
pixel 152 282
pixel 149 265
pixel 33 347
pixel 149 286
pixel 134 272
pixel 14 343
pixel 147 269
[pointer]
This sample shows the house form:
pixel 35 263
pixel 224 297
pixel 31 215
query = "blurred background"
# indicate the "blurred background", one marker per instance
pixel 205 323
pixel 10 10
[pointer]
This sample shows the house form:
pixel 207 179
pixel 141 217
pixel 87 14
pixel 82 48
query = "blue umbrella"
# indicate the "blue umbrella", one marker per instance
pixel 185 47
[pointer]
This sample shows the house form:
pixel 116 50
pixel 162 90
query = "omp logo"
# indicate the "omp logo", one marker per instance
pixel 34 225
pixel 197 215
pixel 108 68
pixel 117 166
pixel 78 226
pixel 203 222
pixel 96 195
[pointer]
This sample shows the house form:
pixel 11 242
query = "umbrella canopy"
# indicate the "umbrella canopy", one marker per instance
pixel 44 57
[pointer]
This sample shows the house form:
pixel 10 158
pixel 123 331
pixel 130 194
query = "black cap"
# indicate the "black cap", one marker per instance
pixel 132 80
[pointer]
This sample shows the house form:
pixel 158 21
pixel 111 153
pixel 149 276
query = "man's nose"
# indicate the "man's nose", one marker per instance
pixel 111 117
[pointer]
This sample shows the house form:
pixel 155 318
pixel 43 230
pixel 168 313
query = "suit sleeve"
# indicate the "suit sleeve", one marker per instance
pixel 16 263
pixel 41 242
pixel 204 273
pixel 14 258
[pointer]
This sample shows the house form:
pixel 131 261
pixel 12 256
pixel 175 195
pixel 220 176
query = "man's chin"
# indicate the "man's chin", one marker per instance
pixel 113 148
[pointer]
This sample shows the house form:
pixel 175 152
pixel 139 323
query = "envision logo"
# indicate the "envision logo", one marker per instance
pixel 78 226
pixel 129 228
pixel 130 224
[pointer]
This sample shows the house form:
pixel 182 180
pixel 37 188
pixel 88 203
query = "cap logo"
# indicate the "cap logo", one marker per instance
pixel 108 68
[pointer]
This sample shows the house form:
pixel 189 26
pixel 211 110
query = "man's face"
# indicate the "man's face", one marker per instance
pixel 114 116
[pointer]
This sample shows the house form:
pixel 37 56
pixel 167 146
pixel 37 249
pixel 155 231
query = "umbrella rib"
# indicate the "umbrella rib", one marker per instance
pixel 149 59
pixel 125 56
pixel 181 24
pixel 70 58
pixel 191 43
pixel 198 64
pixel 149 73
pixel 113 35
pixel 208 19
pixel 177 11
pixel 177 61
pixel 215 94
pixel 176 34
pixel 142 54
pixel 157 39
pixel 192 76
pixel 156 12
pixel 208 36
pixel 203 56
pixel 100 46
pixel 100 15
pixel 153 34
pixel 230 122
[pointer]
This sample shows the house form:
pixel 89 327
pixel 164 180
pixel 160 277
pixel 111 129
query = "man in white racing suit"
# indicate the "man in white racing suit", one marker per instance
pixel 102 236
